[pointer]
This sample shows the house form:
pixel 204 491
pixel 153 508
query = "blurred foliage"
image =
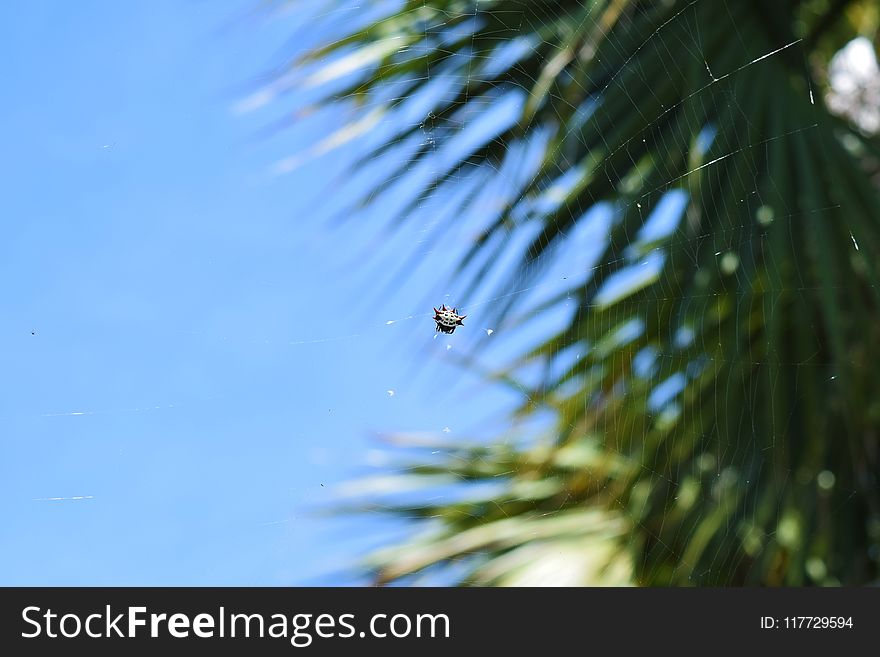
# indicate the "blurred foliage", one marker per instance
pixel 763 469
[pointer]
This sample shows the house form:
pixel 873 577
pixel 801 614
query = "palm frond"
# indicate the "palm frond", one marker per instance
pixel 764 320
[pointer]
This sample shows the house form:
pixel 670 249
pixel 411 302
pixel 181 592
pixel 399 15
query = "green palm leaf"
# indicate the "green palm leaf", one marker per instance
pixel 764 317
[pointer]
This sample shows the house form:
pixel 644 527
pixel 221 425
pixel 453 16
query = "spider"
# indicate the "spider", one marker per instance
pixel 447 319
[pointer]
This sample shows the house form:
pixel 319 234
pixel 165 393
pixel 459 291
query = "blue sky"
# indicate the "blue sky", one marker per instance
pixel 196 352
pixel 189 347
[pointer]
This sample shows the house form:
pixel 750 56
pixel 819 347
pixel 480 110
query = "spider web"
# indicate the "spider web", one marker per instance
pixel 514 299
pixel 519 293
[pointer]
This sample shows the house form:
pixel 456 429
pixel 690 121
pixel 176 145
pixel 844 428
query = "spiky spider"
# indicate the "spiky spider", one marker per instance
pixel 447 319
